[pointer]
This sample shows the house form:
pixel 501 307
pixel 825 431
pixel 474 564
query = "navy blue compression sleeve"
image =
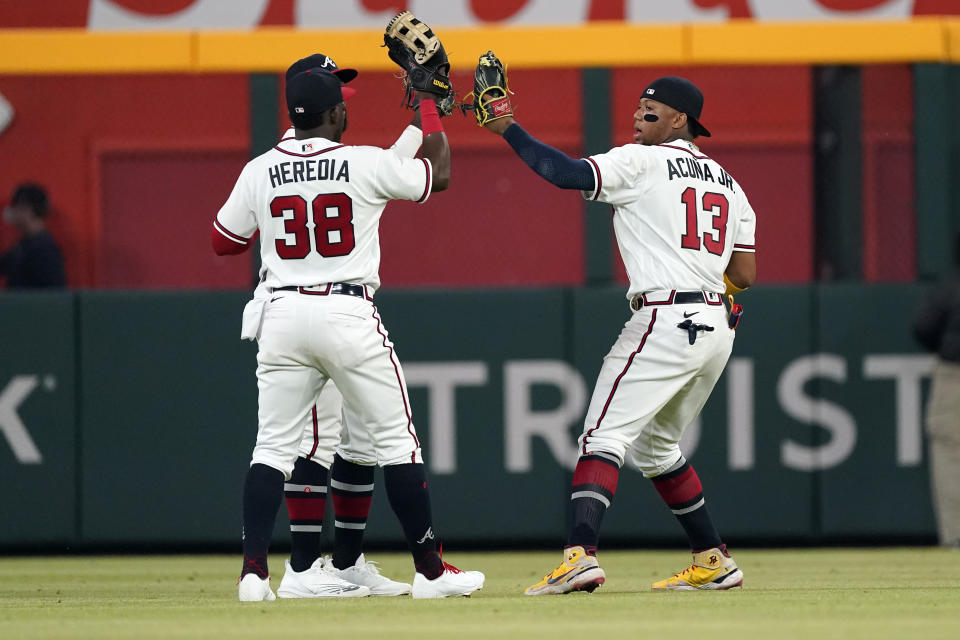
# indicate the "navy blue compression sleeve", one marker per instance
pixel 551 164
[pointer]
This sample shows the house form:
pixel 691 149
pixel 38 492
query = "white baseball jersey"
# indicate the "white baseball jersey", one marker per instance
pixel 327 431
pixel 678 215
pixel 322 432
pixel 406 146
pixel 317 204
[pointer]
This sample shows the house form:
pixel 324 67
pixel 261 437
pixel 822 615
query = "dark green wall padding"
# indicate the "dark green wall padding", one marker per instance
pixel 143 408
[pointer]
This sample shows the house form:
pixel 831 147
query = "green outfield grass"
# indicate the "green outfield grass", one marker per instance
pixel 805 593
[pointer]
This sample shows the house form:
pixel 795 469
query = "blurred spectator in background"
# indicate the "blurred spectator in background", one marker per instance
pixel 937 328
pixel 34 262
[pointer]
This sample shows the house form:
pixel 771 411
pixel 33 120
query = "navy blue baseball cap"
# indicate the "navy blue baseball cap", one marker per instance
pixel 33 196
pixel 321 61
pixel 315 91
pixel 682 95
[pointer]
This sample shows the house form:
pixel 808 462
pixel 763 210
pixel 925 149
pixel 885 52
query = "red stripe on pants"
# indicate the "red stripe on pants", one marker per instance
pixel 616 383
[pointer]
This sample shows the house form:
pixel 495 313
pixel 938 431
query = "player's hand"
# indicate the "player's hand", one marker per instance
pixel 420 55
pixel 491 95
pixel 499 125
pixel 445 105
pixel 423 95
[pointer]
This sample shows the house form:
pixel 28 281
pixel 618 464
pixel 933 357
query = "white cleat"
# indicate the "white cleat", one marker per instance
pixel 317 582
pixel 452 582
pixel 367 574
pixel 255 589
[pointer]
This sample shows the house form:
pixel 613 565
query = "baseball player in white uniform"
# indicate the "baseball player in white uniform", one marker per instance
pixel 346 476
pixel 317 204
pixel 686 234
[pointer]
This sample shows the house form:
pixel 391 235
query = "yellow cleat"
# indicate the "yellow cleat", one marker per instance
pixel 578 572
pixel 711 569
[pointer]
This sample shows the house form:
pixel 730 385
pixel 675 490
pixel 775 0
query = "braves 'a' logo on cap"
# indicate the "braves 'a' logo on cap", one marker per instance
pixel 328 62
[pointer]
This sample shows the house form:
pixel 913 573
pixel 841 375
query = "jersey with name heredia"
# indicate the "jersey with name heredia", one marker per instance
pixel 317 205
pixel 678 215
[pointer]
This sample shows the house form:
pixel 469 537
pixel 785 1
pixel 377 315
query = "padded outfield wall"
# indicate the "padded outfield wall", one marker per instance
pixel 128 418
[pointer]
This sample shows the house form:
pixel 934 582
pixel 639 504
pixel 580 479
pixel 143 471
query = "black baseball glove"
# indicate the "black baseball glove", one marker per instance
pixel 491 95
pixel 419 53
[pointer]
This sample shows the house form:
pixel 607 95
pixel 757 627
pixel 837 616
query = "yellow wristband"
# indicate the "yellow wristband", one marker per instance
pixel 732 289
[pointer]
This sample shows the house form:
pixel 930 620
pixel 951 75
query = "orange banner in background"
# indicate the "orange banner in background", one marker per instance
pixel 610 45
pixel 363 14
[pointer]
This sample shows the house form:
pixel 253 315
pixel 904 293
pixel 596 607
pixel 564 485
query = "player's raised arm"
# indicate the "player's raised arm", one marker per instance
pixel 417 50
pixel 493 111
pixel 408 143
pixel 411 138
pixel 435 147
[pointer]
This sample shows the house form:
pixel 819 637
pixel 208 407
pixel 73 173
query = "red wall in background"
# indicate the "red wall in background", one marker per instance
pixel 889 206
pixel 156 211
pixel 761 125
pixel 63 127
pixel 138 166
pixel 499 223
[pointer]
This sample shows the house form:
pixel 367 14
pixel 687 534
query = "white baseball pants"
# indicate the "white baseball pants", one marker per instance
pixel 653 384
pixel 306 340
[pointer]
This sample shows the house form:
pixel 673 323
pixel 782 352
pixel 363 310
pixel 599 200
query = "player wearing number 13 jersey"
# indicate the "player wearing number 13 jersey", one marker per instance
pixel 317 204
pixel 684 227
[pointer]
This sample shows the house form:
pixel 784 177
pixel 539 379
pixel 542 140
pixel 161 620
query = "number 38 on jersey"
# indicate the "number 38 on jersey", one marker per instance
pixel 331 215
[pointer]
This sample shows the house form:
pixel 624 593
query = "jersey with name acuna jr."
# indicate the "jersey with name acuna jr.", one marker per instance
pixel 317 204
pixel 678 215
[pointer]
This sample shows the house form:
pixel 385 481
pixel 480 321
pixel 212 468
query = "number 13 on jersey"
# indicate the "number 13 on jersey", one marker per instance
pixel 713 240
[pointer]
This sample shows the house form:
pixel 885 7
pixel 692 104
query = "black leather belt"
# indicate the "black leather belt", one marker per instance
pixel 678 297
pixel 341 288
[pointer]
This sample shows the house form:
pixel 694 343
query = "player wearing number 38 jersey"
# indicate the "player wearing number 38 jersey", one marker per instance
pixel 317 204
pixel 317 199
pixel 686 234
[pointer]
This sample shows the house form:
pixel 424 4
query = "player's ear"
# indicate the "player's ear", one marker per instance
pixel 679 120
pixel 336 114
